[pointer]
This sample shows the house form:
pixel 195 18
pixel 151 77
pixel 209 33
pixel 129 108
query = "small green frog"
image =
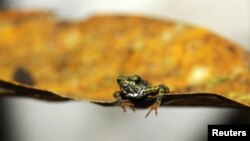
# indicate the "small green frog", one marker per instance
pixel 134 88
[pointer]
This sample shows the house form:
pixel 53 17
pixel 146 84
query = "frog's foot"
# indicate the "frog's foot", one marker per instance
pixel 127 104
pixel 153 107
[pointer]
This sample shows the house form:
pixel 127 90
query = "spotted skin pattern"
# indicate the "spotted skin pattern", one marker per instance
pixel 135 88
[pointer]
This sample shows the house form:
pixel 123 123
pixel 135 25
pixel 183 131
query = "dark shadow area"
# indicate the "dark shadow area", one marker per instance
pixel 5 134
pixel 2 4
pixel 241 117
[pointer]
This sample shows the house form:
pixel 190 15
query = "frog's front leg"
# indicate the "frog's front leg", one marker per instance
pixel 123 102
pixel 162 89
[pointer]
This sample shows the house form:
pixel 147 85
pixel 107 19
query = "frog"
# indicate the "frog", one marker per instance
pixel 134 88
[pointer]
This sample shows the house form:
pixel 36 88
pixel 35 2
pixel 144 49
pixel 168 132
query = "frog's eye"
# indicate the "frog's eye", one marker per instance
pixel 132 83
pixel 125 83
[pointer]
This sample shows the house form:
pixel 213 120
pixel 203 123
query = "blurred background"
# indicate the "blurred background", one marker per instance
pixel 31 120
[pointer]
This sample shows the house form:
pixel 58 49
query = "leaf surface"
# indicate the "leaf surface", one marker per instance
pixel 54 59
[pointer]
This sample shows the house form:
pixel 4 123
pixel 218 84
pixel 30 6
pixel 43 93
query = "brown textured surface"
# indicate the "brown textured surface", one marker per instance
pixel 81 60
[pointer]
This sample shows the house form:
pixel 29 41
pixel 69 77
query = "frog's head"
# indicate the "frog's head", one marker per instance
pixel 124 80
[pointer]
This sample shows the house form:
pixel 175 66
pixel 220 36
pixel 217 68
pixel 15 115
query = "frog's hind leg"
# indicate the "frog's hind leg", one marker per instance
pixel 155 105
pixel 124 103
pixel 162 90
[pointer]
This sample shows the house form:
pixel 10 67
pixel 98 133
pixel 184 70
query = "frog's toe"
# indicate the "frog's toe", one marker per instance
pixel 153 107
pixel 127 104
